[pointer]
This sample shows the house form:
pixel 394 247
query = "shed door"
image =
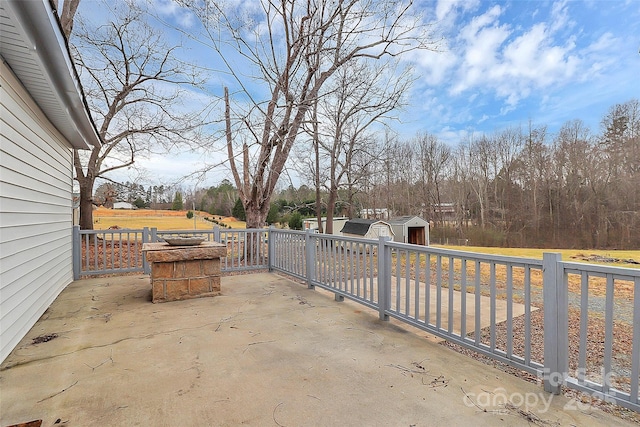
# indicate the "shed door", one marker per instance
pixel 378 230
pixel 417 236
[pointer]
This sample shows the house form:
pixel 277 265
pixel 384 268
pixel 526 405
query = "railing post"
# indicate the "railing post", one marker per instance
pixel 77 252
pixel 216 234
pixel 556 323
pixel 384 277
pixel 270 248
pixel 145 239
pixel 310 258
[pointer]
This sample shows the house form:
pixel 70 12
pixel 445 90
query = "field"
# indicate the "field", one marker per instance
pixel 593 256
pixel 177 220
pixel 104 218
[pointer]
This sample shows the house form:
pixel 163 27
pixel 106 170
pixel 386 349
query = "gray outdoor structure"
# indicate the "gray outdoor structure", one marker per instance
pixel 410 229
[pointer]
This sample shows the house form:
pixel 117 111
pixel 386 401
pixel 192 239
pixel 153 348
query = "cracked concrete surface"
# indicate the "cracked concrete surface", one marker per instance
pixel 267 352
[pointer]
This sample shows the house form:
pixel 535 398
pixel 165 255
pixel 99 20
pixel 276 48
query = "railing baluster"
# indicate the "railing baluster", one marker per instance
pixel 450 305
pixel 608 334
pixel 463 297
pixel 427 290
pixel 438 291
pixel 527 314
pixel 407 275
pixel 492 310
pixel 477 301
pixel 417 287
pixel 635 352
pixel 397 271
pixel 584 316
pixel 509 310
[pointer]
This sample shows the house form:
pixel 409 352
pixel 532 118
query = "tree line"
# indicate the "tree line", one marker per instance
pixel 520 186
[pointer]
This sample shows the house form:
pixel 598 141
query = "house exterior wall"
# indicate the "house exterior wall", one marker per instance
pixel 35 212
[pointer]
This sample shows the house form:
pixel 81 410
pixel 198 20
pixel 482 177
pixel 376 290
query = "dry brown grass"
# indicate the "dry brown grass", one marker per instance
pixel 104 218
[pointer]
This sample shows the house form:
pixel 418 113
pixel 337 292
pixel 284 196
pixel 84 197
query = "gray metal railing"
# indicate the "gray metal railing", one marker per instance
pixel 515 310
pixel 488 303
pixel 606 366
pixel 97 252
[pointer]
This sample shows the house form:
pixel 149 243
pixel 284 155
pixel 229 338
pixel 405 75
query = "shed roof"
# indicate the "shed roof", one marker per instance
pixel 33 45
pixel 357 226
pixel 404 219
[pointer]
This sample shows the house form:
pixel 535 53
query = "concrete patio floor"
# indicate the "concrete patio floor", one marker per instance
pixel 267 352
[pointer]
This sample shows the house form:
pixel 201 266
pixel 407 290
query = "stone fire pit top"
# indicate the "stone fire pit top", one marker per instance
pixel 163 252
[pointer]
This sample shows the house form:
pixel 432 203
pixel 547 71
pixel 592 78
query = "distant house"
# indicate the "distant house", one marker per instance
pixel 338 223
pixel 366 228
pixel 377 213
pixel 123 205
pixel 445 211
pixel 44 117
pixel 410 229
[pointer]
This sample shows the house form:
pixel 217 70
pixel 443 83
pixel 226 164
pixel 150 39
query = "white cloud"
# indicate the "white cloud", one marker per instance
pixel 560 16
pixel 172 10
pixel 452 136
pixel 447 11
pixel 514 62
pixel 480 43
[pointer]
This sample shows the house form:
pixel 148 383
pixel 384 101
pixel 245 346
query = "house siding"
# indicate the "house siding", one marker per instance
pixel 35 212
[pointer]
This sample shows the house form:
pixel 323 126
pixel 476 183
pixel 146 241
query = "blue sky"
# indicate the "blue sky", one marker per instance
pixel 505 63
pixel 499 64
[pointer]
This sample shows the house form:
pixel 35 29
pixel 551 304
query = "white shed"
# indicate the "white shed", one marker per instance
pixel 338 223
pixel 43 117
pixel 367 228
pixel 410 229
pixel 123 205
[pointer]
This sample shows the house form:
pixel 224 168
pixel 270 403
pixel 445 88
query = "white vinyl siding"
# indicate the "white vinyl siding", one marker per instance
pixel 35 212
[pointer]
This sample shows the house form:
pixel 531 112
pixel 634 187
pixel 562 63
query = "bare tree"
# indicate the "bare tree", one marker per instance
pixel 533 177
pixel 132 81
pixel 294 47
pixel 435 158
pixel 358 96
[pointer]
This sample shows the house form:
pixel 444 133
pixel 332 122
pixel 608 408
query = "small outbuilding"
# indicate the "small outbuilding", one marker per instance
pixel 338 223
pixel 367 228
pixel 123 205
pixel 410 229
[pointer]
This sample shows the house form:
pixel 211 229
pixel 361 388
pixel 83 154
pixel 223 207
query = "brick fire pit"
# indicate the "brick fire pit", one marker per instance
pixel 184 272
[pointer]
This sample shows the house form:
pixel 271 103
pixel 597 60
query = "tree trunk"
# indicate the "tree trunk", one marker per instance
pixel 86 203
pixel 256 217
pixel 331 203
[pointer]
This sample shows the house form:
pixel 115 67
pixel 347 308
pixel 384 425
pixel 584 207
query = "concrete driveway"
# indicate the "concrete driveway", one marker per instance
pixel 267 352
